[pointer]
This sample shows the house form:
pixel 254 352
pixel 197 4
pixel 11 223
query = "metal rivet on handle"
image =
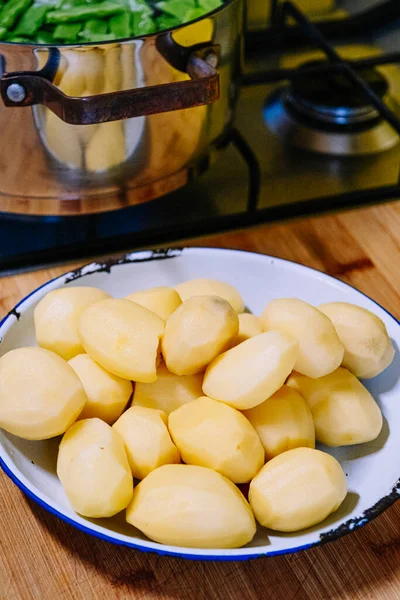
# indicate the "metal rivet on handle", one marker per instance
pixel 212 60
pixel 16 92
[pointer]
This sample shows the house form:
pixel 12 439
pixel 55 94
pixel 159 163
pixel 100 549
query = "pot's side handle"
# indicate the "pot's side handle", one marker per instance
pixel 31 88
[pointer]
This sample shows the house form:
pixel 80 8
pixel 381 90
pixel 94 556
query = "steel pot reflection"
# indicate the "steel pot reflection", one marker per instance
pixel 118 123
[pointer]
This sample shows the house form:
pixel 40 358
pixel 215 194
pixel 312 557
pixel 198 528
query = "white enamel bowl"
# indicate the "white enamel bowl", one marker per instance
pixel 372 470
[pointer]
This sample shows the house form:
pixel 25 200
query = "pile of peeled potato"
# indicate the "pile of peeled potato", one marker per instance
pixel 220 397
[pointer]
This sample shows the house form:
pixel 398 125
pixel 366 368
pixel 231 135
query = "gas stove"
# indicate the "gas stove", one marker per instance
pixel 317 129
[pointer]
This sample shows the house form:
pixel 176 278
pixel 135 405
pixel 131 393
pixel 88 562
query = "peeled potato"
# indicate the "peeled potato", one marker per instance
pixel 368 349
pixel 283 422
pixel 320 350
pixel 106 147
pixel 199 329
pixel 190 506
pixel 297 489
pixel 169 391
pixel 94 470
pixel 344 411
pixel 123 338
pixel 251 372
pixel 161 300
pixel 57 317
pixel 107 394
pixel 249 326
pixel 40 394
pixel 211 287
pixel 211 434
pixel 147 441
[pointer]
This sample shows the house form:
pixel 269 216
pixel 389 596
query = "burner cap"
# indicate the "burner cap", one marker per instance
pixel 331 98
pixel 326 113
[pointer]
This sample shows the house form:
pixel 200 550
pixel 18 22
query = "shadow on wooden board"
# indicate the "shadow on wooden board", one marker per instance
pixel 356 566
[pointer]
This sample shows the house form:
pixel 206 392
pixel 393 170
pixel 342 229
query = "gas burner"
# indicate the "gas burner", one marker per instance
pixel 325 113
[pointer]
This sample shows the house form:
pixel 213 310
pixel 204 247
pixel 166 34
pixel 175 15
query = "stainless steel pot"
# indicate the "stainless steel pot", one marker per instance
pixel 119 123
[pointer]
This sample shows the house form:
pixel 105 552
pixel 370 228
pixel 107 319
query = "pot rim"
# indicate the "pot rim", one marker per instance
pixel 122 40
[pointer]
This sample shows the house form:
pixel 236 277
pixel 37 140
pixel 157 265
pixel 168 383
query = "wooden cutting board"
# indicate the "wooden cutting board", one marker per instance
pixel 42 558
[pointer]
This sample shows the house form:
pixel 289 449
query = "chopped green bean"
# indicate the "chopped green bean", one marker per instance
pixel 52 22
pixel 119 25
pixel 165 21
pixel 176 8
pixel 18 39
pixel 81 13
pixel 209 5
pixel 142 25
pixel 44 37
pixel 94 26
pixel 49 3
pixel 67 32
pixel 11 11
pixel 97 26
pixel 100 37
pixel 192 14
pixel 67 4
pixel 141 7
pixel 31 21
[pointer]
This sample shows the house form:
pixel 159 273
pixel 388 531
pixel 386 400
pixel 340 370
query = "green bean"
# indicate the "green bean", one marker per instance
pixel 165 21
pixel 67 4
pixel 11 11
pixel 141 7
pixel 142 25
pixel 49 3
pixel 192 14
pixel 81 13
pixel 209 5
pixel 69 21
pixel 100 37
pixel 18 39
pixel 119 25
pixel 94 26
pixel 67 32
pixel 44 37
pixel 176 8
pixel 31 21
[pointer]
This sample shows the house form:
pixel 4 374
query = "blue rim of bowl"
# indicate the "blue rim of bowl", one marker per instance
pixel 345 528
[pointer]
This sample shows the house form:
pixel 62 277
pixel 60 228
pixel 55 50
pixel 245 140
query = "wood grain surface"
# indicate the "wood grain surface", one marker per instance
pixel 43 558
